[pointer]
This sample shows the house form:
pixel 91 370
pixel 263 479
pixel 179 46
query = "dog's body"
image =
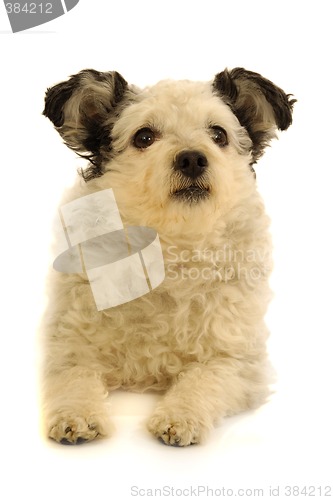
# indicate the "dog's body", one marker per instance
pixel 178 157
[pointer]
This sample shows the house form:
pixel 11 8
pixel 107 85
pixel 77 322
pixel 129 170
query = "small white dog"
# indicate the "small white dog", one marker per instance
pixel 179 158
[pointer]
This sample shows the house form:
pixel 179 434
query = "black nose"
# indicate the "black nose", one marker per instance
pixel 191 163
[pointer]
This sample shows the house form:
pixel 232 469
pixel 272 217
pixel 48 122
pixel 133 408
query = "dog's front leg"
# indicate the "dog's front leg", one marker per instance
pixel 202 394
pixel 74 406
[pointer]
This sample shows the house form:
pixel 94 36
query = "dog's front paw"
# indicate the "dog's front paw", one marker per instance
pixel 174 430
pixel 71 428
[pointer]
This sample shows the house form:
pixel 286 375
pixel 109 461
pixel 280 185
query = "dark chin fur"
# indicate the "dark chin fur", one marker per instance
pixel 191 194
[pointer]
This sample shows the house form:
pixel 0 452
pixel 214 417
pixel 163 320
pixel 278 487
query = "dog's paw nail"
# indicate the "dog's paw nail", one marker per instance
pixel 65 442
pixel 171 431
pixel 72 443
pixel 166 442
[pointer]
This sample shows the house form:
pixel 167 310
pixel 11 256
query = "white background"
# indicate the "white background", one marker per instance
pixel 287 442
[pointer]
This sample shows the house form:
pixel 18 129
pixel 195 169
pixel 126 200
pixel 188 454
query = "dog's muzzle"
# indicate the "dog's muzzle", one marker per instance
pixel 191 167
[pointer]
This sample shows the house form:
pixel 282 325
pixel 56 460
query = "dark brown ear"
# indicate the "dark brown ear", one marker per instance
pixel 84 109
pixel 260 106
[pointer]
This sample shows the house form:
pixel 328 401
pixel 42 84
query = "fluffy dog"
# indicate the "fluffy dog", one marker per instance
pixel 179 157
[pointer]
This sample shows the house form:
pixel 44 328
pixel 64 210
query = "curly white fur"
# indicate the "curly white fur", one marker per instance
pixel 200 336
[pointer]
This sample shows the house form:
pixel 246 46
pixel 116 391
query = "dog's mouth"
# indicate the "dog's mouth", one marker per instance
pixel 191 194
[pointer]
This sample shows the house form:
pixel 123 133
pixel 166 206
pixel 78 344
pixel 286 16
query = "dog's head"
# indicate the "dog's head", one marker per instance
pixel 173 148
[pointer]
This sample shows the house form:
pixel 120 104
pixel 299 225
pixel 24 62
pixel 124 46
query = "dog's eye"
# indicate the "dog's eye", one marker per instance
pixel 219 135
pixel 144 138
